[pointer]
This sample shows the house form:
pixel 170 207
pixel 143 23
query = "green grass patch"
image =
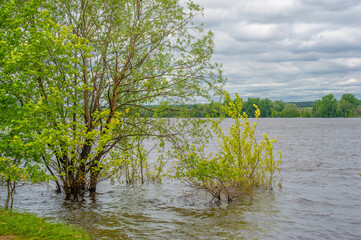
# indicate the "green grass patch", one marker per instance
pixel 29 226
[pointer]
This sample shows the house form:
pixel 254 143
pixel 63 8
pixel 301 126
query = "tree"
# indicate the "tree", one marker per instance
pixel 347 105
pixel 88 72
pixel 290 110
pixel 306 111
pixel 24 34
pixel 326 107
pixel 351 99
pixel 240 164
pixel 249 106
pixel 278 107
pixel 265 106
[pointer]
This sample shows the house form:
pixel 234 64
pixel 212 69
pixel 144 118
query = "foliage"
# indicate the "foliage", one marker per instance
pixel 306 112
pixel 347 106
pixel 133 166
pixel 326 107
pixel 28 226
pixel 75 74
pixel 264 104
pixel 13 171
pixel 241 163
pixel 290 110
pixel 22 43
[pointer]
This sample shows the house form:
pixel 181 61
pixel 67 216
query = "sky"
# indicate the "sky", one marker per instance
pixel 290 50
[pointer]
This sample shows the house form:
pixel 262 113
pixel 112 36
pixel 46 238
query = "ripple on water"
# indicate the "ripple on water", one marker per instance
pixel 320 198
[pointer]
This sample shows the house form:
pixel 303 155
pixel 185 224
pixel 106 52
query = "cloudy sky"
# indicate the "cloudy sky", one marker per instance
pixel 293 50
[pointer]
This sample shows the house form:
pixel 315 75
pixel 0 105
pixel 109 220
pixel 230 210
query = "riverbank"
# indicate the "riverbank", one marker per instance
pixel 17 225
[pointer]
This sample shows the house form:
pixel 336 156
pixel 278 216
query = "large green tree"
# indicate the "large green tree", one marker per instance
pixel 32 47
pixel 326 107
pixel 82 75
pixel 348 105
pixel 290 110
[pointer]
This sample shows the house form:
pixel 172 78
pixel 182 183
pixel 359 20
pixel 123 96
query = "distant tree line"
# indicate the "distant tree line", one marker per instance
pixel 328 106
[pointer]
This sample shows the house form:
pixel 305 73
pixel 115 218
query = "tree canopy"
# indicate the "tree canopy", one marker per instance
pixel 75 74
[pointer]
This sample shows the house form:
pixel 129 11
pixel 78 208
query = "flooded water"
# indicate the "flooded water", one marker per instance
pixel 320 198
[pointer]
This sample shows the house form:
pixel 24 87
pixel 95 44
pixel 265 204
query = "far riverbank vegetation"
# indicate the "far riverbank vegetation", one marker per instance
pixel 328 106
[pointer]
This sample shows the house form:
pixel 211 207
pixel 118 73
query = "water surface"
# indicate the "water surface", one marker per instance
pixel 320 198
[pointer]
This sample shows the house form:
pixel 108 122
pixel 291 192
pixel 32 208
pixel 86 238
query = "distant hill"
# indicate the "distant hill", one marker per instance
pixel 303 104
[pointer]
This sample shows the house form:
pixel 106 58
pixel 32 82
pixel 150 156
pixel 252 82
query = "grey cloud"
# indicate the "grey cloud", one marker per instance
pixel 287 49
pixel 332 5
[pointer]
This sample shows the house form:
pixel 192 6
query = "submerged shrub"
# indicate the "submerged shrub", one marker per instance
pixel 240 164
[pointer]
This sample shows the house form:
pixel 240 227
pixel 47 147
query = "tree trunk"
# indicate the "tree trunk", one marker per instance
pixel 8 185
pixel 94 175
pixel 75 190
pixel 74 184
pixel 10 197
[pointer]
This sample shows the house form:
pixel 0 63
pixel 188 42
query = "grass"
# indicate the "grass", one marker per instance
pixel 29 226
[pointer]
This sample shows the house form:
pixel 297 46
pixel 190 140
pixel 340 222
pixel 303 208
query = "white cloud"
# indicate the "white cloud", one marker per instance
pixel 255 31
pixel 349 62
pixel 351 81
pixel 305 30
pixel 270 7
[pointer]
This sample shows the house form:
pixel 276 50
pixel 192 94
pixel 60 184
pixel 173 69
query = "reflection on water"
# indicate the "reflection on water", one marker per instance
pixel 156 212
pixel 320 198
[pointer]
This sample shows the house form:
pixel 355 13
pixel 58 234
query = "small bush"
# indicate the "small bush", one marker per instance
pixel 240 164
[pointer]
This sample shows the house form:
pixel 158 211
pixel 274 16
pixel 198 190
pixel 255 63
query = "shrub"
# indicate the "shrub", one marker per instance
pixel 240 165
